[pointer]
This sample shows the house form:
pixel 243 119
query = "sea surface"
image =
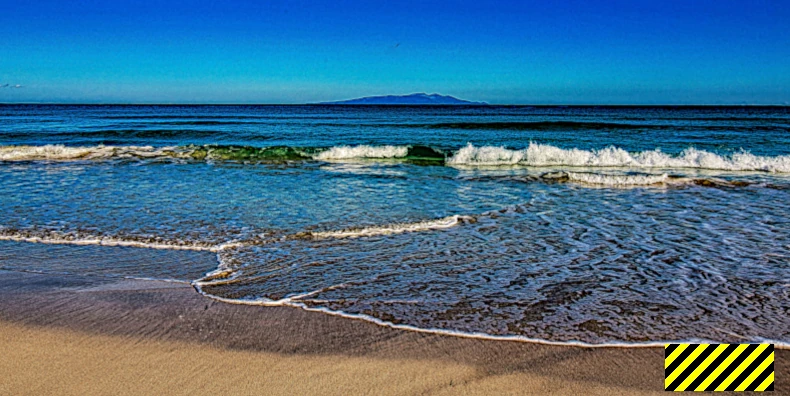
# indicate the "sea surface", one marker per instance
pixel 586 225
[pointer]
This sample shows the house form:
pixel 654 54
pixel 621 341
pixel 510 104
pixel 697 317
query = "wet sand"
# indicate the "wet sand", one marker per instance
pixel 92 335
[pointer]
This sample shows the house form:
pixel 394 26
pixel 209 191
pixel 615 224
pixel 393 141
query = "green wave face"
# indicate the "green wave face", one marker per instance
pixel 253 154
pixel 416 154
pixel 424 155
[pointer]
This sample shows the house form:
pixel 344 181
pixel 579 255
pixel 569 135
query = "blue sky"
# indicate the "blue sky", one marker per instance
pixel 529 52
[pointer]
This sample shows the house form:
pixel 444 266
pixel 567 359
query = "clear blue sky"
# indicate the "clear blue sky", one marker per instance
pixel 630 51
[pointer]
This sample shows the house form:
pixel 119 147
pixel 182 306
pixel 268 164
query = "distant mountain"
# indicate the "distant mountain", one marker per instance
pixel 413 99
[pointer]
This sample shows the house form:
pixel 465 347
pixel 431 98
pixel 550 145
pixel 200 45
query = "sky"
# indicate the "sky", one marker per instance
pixel 503 52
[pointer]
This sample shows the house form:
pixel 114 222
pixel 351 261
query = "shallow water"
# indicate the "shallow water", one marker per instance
pixel 596 225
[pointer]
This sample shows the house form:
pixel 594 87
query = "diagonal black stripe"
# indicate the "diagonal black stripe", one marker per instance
pixel 735 363
pixel 677 362
pixel 770 388
pixel 671 348
pixel 691 367
pixel 713 366
pixel 759 380
pixel 749 370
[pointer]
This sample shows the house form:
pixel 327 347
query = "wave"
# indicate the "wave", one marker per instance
pixel 349 152
pixel 53 152
pixel 247 153
pixel 596 179
pixel 294 301
pixel 535 155
pixel 80 238
pixel 541 155
pixel 603 179
pixel 415 153
pixel 58 238
pixel 636 180
pixel 209 152
pixel 226 274
pixel 229 269
pixel 430 225
pixel 60 152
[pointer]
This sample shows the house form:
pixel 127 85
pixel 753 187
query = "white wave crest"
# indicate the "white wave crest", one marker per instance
pixel 438 224
pixel 57 152
pixel 62 239
pixel 538 155
pixel 617 180
pixel 351 152
pixel 545 155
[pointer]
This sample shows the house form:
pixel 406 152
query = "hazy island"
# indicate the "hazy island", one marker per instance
pixel 412 99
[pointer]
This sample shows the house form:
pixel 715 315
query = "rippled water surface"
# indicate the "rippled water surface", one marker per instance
pixel 583 224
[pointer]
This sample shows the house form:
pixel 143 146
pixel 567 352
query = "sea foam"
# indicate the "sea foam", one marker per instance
pixel 55 238
pixel 59 152
pixel 429 225
pixel 616 180
pixel 351 152
pixel 546 155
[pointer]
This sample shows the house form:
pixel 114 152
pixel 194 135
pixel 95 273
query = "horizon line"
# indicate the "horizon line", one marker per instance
pixel 401 105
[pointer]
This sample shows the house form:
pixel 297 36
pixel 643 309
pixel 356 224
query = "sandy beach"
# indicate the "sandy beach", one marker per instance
pixel 92 335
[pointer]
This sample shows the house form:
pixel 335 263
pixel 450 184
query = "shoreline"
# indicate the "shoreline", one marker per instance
pixel 76 317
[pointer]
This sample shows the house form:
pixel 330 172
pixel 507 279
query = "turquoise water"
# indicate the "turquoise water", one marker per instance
pixel 596 225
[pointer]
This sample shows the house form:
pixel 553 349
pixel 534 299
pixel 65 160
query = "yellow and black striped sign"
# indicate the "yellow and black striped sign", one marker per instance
pixel 719 367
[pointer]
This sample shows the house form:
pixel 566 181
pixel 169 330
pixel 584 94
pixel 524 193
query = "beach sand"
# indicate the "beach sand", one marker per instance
pixel 90 335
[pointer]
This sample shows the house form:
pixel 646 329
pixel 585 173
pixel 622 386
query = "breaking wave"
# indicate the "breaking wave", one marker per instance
pixel 349 152
pixel 535 155
pixel 541 155
pixel 193 152
pixel 64 153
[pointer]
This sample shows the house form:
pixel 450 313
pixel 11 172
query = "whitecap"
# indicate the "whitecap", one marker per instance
pixel 541 155
pixel 352 152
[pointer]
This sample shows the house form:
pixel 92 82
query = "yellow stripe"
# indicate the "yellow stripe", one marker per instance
pixel 756 373
pixel 768 381
pixel 742 367
pixel 704 365
pixel 723 366
pixel 684 364
pixel 671 358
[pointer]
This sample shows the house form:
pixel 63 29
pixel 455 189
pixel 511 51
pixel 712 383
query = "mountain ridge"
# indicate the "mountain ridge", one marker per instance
pixel 410 99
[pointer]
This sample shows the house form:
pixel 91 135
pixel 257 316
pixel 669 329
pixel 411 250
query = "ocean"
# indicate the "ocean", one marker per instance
pixel 571 225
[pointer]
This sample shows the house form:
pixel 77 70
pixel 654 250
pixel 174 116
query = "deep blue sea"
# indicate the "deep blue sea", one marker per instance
pixel 592 225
